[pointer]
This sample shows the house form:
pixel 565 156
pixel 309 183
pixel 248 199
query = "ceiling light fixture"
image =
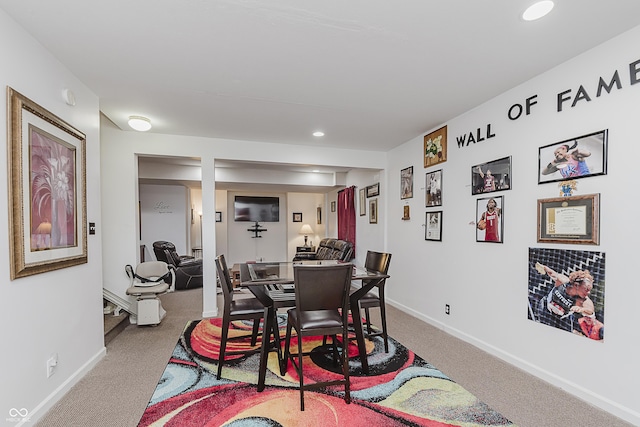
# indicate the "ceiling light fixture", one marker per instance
pixel 139 123
pixel 318 133
pixel 537 10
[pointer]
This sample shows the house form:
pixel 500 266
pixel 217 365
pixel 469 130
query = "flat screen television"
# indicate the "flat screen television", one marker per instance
pixel 256 209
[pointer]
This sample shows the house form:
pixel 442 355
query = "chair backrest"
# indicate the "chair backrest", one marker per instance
pixel 225 279
pixel 153 271
pixel 377 261
pixel 166 251
pixel 322 287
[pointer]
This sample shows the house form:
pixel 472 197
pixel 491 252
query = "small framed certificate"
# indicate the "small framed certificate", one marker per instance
pixel 574 219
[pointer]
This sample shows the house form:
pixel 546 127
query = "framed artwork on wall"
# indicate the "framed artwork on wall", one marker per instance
pixel 373 190
pixel 406 183
pixel 47 190
pixel 491 176
pixel 435 147
pixel 433 195
pixel 218 216
pixel 297 217
pixel 490 218
pixel 363 202
pixel 406 213
pixel 333 206
pixel 373 211
pixel 433 226
pixel 573 158
pixel 574 219
pixel 319 215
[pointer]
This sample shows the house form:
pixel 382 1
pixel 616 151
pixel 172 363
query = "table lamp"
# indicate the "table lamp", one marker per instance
pixel 306 230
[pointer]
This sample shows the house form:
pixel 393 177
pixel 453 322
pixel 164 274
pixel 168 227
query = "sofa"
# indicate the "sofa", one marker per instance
pixel 329 248
pixel 188 269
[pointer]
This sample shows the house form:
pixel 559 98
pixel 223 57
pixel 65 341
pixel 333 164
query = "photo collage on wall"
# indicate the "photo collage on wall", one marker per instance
pixel 435 152
pixel 566 287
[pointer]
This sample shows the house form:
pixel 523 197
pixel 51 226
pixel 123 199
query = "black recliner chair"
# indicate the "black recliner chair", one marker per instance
pixel 188 269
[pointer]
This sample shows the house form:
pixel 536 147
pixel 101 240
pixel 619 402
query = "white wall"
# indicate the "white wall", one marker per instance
pixel 165 215
pixel 486 284
pixel 59 312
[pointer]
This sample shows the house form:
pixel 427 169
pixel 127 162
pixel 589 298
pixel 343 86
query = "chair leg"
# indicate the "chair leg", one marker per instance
pixel 223 344
pixel 254 334
pixel 383 319
pixel 345 367
pixel 300 374
pixel 368 319
pixel 285 358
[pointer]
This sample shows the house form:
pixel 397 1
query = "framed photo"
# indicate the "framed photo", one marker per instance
pixel 489 219
pixel 47 190
pixel 573 158
pixel 406 213
pixel 373 190
pixel 491 176
pixel 574 219
pixel 318 215
pixel 551 305
pixel 297 217
pixel 333 206
pixel 433 226
pixel 435 147
pixel 406 183
pixel 218 216
pixel 433 194
pixel 373 211
pixel 363 202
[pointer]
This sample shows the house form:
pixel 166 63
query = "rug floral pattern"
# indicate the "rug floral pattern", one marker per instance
pixel 400 389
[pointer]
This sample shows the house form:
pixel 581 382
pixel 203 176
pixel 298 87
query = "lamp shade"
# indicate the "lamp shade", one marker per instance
pixel 306 230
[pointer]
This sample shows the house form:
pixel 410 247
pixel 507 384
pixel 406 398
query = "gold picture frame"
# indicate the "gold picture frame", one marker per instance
pixel 435 147
pixel 373 211
pixel 47 190
pixel 574 219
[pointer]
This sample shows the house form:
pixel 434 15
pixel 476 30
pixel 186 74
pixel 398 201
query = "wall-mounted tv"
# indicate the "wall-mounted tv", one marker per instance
pixel 256 209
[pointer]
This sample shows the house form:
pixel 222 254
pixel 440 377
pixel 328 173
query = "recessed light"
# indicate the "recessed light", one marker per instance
pixel 318 133
pixel 139 123
pixel 316 171
pixel 537 10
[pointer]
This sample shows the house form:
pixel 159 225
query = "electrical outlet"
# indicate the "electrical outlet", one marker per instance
pixel 447 309
pixel 52 362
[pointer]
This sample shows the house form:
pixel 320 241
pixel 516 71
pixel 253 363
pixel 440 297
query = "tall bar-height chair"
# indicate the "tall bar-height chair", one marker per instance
pixel 322 309
pixel 376 261
pixel 241 309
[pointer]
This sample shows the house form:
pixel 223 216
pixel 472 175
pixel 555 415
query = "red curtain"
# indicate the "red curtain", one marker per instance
pixel 347 216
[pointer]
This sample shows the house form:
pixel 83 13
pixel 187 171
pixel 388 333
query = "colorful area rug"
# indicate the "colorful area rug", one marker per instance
pixel 401 389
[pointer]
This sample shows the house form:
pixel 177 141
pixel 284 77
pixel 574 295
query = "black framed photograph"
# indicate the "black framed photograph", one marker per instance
pixel 433 194
pixel 574 219
pixel 406 183
pixel 363 202
pixel 318 215
pixel 218 216
pixel 433 226
pixel 491 176
pixel 373 190
pixel 297 217
pixel 573 158
pixel 489 219
pixel 373 211
pixel 333 206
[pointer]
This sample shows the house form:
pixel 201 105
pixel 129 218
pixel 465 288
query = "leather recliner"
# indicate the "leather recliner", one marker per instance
pixel 329 248
pixel 188 269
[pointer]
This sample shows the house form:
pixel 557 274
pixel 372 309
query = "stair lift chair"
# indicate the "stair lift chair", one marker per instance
pixel 151 279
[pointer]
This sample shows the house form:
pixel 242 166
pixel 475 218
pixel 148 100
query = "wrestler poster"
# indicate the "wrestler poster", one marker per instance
pixel 566 290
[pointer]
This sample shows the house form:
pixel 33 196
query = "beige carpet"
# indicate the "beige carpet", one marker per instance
pixel 116 392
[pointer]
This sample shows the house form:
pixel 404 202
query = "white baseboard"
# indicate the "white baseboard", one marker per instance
pixel 48 403
pixel 580 392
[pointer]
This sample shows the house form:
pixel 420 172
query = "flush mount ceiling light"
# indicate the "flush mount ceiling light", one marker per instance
pixel 318 133
pixel 139 123
pixel 537 10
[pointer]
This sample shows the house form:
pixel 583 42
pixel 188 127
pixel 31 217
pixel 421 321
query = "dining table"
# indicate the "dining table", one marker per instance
pixel 273 285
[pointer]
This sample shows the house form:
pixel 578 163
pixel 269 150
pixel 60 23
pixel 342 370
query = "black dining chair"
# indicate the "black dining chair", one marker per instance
pixel 240 309
pixel 322 309
pixel 376 261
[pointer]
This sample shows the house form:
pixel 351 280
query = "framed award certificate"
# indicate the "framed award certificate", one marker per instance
pixel 574 219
